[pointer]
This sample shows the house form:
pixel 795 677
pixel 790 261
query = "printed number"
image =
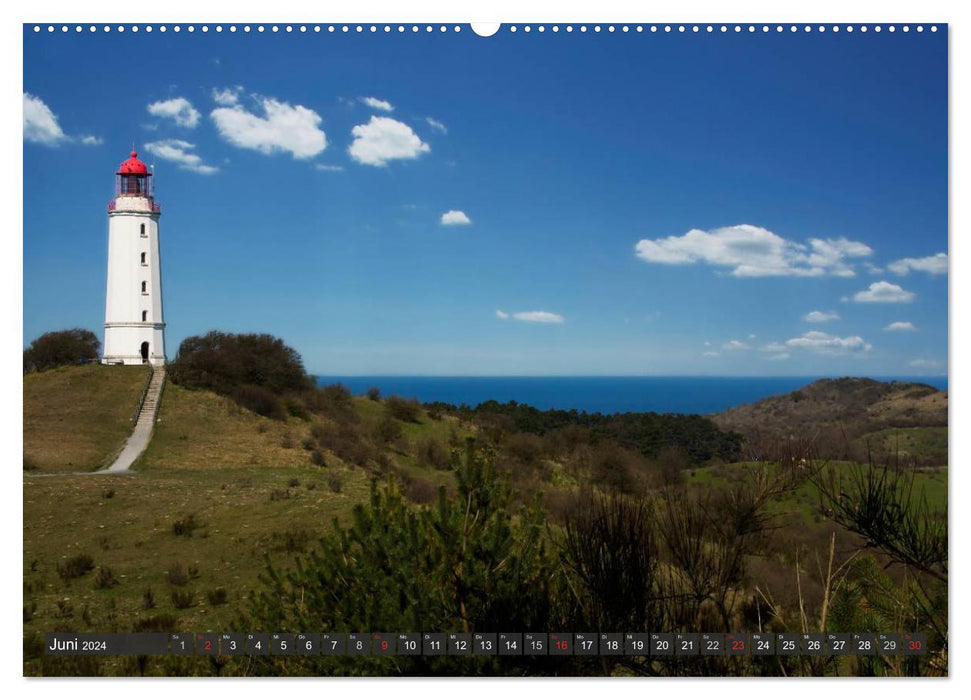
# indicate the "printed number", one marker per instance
pixel 686 644
pixel 183 645
pixel 283 645
pixel 762 645
pixel 813 645
pixel 232 645
pixel 510 644
pixel 461 644
pixel 411 645
pixel 586 644
pixel 207 645
pixel 712 645
pixel 637 644
pixel 562 645
pixel 914 645
pixel 838 644
pixel 487 644
pixel 788 645
pixel 259 645
pixel 662 645
pixel 738 645
pixel 864 645
pixel 333 645
pixel 359 645
pixel 889 644
pixel 613 645
pixel 310 645
pixel 536 645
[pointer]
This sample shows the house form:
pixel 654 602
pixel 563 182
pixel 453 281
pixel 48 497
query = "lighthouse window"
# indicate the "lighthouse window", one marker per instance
pixel 143 259
pixel 144 316
pixel 143 233
pixel 144 288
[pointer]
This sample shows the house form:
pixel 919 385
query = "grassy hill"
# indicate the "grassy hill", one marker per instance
pixel 844 418
pixel 77 418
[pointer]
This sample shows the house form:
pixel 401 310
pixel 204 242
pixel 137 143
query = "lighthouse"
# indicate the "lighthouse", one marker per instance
pixel 134 328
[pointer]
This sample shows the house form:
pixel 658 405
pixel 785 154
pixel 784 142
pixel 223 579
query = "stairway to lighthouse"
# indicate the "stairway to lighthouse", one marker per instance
pixel 139 439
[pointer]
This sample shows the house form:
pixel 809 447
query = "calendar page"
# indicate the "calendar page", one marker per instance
pixel 601 349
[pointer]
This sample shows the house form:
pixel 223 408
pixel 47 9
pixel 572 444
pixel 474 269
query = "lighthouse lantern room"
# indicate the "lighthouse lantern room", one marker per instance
pixel 134 328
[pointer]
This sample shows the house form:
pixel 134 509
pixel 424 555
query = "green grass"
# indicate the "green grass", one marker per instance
pixel 77 418
pixel 904 444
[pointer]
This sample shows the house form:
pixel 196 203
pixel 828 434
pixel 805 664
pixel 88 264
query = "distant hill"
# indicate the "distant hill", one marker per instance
pixel 836 416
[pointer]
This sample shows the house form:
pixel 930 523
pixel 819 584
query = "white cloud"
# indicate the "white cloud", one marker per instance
pixel 383 139
pixel 884 293
pixel 178 109
pixel 735 345
pixel 328 167
pixel 821 316
pixel 752 251
pixel 924 363
pixel 177 151
pixel 900 326
pixel 282 127
pixel 873 269
pixel 375 103
pixel 780 356
pixel 40 124
pixel 531 316
pixel 932 265
pixel 454 217
pixel 827 344
pixel 710 353
pixel 773 347
pixel 91 140
pixel 436 125
pixel 226 97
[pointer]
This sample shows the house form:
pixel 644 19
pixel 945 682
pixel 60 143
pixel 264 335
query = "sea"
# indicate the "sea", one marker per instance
pixel 595 394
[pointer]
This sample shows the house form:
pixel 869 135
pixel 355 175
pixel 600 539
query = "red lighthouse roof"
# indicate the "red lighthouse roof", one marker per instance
pixel 133 166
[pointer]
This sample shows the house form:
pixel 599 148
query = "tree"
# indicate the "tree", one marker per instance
pixel 224 362
pixel 465 564
pixel 61 348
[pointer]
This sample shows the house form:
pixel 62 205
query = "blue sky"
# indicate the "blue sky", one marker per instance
pixel 542 204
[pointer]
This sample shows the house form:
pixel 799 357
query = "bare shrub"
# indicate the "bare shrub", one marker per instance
pixel 182 599
pixel 406 410
pixel 217 596
pixel 75 567
pixel 420 491
pixel 433 452
pixel 177 574
pixel 105 578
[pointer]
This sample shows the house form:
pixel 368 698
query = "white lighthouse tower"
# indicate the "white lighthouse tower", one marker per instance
pixel 134 329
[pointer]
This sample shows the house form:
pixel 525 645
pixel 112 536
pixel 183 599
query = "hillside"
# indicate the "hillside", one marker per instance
pixel 76 418
pixel 840 417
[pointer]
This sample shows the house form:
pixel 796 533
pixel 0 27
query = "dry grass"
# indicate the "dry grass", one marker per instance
pixel 201 430
pixel 77 418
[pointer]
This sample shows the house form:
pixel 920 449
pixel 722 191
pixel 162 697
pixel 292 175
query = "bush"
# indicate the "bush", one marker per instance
pixel 433 452
pixel 260 400
pixel 223 362
pixel 148 599
pixel 217 596
pixel 387 430
pixel 177 574
pixel 374 393
pixel 75 567
pixel 105 578
pixel 29 464
pixel 407 410
pixel 296 408
pixel 335 483
pixel 317 458
pixel 184 527
pixel 61 348
pixel 419 491
pixel 164 622
pixel 182 599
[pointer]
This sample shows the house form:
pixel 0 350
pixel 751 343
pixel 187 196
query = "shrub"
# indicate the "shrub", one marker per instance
pixel 293 483
pixel 61 348
pixel 296 408
pixel 374 393
pixel 317 457
pixel 184 527
pixel 108 493
pixel 29 611
pixel 217 596
pixel 29 464
pixel 177 574
pixel 223 362
pixel 335 483
pixel 387 430
pixel 407 410
pixel 182 599
pixel 280 495
pixel 419 491
pixel 260 400
pixel 105 578
pixel 335 401
pixel 293 539
pixel 148 599
pixel 75 567
pixel 433 452
pixel 163 622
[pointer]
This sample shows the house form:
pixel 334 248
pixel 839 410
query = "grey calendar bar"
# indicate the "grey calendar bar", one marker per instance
pixel 110 644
